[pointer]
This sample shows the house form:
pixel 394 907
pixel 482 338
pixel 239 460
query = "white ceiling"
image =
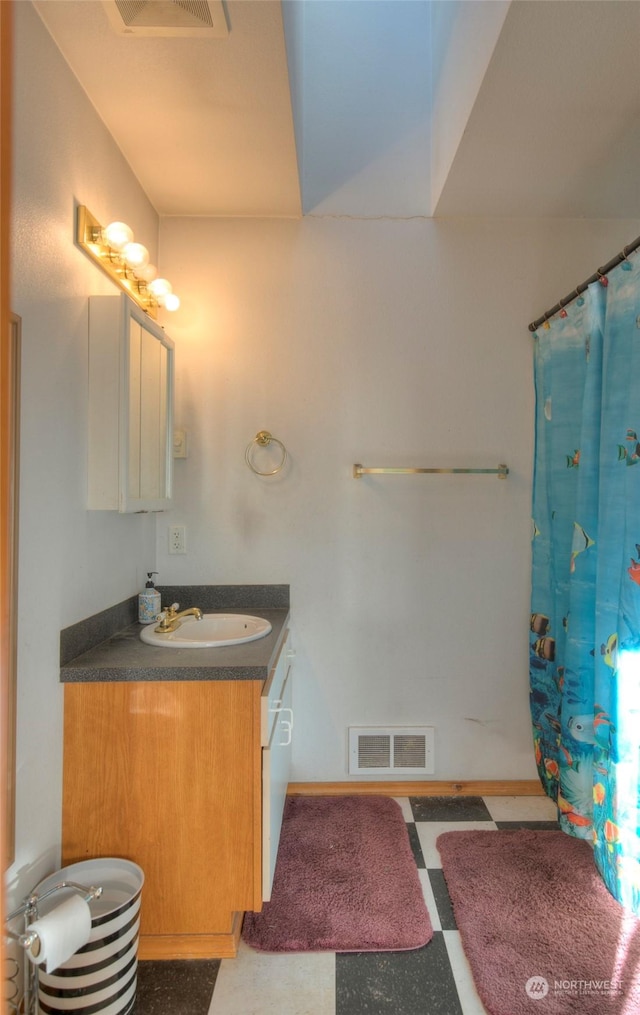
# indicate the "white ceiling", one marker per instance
pixel 374 107
pixel 555 130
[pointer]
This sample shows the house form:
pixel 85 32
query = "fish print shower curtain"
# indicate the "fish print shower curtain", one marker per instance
pixel 585 619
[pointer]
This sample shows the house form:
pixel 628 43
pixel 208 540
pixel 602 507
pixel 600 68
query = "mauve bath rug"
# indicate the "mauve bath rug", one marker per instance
pixel 345 881
pixel 542 934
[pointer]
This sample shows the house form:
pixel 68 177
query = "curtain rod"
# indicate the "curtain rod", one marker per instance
pixel 613 263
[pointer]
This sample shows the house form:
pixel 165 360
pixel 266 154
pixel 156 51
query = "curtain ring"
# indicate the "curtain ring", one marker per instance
pixel 263 439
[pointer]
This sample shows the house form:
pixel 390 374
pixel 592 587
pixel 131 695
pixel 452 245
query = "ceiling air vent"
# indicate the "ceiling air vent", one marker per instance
pixel 392 750
pixel 169 18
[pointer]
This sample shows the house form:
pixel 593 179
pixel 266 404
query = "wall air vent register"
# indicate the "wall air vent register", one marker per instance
pixel 392 750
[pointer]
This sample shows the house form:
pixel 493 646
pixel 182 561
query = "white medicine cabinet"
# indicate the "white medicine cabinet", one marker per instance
pixel 130 408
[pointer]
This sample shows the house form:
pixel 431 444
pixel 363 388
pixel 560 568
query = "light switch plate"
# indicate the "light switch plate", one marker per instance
pixel 180 444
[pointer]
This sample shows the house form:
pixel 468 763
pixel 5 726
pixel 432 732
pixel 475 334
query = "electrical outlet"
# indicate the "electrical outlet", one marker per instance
pixel 177 539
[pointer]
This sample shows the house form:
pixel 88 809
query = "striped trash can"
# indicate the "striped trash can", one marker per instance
pixel 101 976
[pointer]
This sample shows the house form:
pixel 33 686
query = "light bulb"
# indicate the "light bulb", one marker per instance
pixel 171 302
pixel 148 273
pixel 160 287
pixel 117 234
pixel 136 255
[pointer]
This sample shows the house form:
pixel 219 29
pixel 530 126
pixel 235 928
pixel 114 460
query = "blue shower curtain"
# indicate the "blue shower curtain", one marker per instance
pixel 585 606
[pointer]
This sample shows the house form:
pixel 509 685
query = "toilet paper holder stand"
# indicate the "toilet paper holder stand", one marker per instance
pixel 29 938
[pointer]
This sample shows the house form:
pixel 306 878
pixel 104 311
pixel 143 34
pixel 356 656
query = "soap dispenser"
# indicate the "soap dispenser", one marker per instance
pixel 149 601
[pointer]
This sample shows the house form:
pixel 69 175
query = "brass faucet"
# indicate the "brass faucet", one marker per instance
pixel 170 620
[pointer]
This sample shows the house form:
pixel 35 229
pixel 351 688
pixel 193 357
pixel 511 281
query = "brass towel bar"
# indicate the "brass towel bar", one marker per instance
pixel 359 470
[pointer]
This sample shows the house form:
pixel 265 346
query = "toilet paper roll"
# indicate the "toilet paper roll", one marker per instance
pixel 60 933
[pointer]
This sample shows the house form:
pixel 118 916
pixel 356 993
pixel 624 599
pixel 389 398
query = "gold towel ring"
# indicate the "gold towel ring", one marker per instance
pixel 263 438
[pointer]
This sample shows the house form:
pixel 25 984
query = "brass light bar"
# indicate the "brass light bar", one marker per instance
pixel 359 470
pixel 89 237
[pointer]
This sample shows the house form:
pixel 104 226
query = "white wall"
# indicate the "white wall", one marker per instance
pixel 384 343
pixel 73 563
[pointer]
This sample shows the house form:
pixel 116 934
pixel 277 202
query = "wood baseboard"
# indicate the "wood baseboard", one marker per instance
pixel 473 787
pixel 163 947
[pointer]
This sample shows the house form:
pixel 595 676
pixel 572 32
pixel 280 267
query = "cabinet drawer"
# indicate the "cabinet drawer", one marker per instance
pixel 276 764
pixel 273 690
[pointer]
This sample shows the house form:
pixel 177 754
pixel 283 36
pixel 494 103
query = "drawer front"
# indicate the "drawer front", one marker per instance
pixel 273 690
pixel 276 765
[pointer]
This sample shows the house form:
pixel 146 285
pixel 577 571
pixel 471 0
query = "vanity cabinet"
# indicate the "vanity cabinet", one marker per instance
pixel 130 408
pixel 186 778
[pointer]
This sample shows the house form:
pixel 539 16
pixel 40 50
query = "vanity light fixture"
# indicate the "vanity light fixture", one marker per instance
pixel 113 248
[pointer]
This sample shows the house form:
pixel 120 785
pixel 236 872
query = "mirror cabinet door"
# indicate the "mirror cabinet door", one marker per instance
pixel 149 416
pixel 135 397
pixel 130 408
pixel 152 417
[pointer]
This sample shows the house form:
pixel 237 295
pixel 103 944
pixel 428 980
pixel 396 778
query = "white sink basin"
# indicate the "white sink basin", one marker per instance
pixel 214 630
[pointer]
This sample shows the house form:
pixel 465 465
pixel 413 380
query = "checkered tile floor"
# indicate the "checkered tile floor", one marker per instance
pixel 434 980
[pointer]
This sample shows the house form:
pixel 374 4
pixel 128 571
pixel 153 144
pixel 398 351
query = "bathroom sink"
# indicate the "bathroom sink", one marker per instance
pixel 213 631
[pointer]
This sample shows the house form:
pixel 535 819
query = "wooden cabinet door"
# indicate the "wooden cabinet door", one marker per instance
pixel 168 774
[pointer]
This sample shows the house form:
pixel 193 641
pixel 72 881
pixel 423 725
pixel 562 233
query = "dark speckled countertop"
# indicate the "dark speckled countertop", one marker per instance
pixel 108 651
